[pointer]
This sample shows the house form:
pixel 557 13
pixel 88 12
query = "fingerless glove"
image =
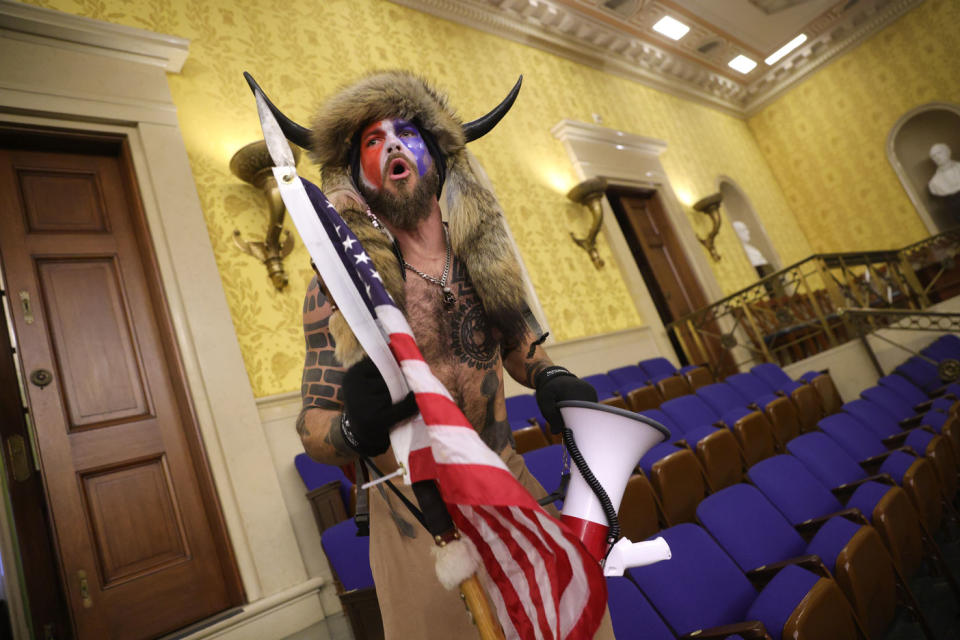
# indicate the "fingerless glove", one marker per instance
pixel 554 384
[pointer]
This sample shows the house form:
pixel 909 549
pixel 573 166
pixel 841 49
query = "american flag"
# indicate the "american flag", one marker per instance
pixel 543 583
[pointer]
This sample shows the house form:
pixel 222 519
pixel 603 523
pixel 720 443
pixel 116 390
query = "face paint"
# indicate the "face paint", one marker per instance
pixel 381 141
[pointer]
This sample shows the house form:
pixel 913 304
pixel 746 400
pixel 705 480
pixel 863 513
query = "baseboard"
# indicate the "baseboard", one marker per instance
pixel 272 618
pixel 583 356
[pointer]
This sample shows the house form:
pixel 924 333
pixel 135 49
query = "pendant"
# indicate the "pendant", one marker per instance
pixel 448 298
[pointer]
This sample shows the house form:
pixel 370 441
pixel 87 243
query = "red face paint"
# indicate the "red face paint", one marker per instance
pixel 385 138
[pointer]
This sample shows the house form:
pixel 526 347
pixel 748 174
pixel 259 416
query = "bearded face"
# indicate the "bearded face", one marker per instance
pixel 397 174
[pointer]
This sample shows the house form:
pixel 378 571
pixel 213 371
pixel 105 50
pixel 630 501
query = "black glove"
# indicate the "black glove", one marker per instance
pixel 554 384
pixel 368 412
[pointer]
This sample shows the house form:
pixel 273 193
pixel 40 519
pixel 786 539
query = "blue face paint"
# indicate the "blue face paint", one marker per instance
pixel 410 137
pixel 379 139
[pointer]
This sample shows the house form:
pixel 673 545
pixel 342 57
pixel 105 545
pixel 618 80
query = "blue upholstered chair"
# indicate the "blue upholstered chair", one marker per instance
pixel 759 539
pixel 701 587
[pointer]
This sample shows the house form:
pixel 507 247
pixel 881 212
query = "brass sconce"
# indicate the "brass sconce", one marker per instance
pixel 710 206
pixel 588 193
pixel 253 165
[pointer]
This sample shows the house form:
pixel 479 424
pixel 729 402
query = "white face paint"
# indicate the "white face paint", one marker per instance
pixel 390 150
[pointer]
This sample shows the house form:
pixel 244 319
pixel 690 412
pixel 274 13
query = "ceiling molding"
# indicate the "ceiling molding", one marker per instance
pixel 809 59
pixel 565 31
pixel 66 31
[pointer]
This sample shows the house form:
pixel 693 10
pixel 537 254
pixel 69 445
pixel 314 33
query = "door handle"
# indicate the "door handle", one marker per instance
pixel 41 377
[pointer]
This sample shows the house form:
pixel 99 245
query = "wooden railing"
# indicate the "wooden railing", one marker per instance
pixel 798 311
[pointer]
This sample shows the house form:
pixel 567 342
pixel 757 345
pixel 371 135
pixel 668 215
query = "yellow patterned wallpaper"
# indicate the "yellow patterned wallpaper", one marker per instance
pixel 301 51
pixel 826 139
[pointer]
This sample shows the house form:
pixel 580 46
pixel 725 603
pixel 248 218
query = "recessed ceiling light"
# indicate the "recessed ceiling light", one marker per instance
pixel 671 28
pixel 742 63
pixel 777 55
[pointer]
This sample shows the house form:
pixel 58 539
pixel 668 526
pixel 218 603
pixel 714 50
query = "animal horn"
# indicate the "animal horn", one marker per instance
pixel 482 125
pixel 295 133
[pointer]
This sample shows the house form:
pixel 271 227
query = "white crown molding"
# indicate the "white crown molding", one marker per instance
pixel 593 44
pixel 38 24
pixel 563 31
pixel 584 131
pixel 817 54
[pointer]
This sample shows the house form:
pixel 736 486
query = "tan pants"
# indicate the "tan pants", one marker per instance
pixel 413 603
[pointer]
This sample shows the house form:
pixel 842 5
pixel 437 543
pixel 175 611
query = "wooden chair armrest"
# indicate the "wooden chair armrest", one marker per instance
pixel 873 463
pixel 811 562
pixel 813 524
pixel 912 421
pixel 753 630
pixel 850 487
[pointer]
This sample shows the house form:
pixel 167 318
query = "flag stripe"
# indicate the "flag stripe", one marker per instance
pixel 529 560
pixel 475 527
pixel 543 583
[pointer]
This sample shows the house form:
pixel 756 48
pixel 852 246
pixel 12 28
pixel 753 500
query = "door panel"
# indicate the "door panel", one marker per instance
pixel 135 521
pixel 62 201
pixel 92 340
pixel 138 547
pixel 668 274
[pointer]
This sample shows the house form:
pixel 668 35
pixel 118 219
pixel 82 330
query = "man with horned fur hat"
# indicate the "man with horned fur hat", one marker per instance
pixel 389 146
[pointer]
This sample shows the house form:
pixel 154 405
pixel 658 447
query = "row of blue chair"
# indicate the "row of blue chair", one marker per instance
pixel 864 425
pixel 760 527
pixel 903 499
pixel 923 373
pixel 726 426
pixel 635 387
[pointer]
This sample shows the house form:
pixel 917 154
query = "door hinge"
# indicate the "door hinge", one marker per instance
pixel 19 463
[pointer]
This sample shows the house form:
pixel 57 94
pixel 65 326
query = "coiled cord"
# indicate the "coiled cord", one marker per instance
pixel 613 533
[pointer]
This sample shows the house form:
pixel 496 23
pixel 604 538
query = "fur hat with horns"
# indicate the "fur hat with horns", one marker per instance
pixel 477 233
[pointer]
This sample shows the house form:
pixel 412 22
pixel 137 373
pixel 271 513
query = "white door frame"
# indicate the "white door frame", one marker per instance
pixel 51 62
pixel 631 160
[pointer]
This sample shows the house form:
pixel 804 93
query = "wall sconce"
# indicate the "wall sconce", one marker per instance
pixel 253 165
pixel 588 193
pixel 710 206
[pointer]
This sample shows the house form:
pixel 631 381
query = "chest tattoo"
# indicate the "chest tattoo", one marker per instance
pixel 472 340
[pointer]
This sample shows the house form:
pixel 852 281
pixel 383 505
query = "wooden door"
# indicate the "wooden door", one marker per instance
pixel 669 277
pixel 141 542
pixel 40 573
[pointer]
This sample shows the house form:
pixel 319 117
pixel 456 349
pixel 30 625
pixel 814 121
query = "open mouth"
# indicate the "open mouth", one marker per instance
pixel 398 169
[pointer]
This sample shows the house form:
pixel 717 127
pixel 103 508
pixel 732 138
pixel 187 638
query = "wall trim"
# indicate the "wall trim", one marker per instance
pixel 67 31
pixel 632 160
pixel 251 616
pixel 559 28
pixel 584 356
pixel 50 62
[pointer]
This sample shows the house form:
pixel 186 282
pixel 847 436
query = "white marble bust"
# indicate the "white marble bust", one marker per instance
pixel 754 255
pixel 946 180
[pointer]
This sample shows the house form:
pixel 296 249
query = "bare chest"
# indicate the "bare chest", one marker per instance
pixel 463 351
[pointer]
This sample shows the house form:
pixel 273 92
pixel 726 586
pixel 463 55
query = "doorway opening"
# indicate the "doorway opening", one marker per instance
pixel 666 271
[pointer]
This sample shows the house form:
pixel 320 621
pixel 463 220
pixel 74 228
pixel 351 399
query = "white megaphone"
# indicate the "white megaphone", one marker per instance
pixel 611 442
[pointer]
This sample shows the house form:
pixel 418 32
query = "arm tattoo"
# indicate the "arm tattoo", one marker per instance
pixel 532 367
pixel 322 373
pixel 495 433
pixel 334 438
pixel 321 387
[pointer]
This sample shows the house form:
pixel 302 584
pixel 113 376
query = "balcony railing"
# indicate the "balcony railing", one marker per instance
pixel 798 311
